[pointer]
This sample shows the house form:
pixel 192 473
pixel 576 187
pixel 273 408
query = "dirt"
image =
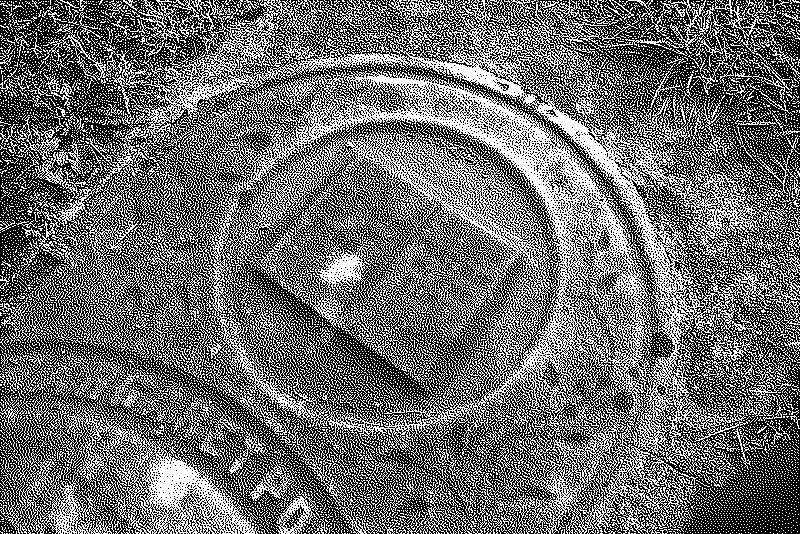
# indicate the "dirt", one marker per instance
pixel 731 234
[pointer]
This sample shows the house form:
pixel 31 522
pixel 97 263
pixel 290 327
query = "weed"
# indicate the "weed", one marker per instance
pixel 728 66
pixel 74 77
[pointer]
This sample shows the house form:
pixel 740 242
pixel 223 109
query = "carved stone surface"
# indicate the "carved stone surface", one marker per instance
pixel 532 342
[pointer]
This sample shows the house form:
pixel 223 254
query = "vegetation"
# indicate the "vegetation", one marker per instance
pixel 74 77
pixel 732 66
pixel 77 75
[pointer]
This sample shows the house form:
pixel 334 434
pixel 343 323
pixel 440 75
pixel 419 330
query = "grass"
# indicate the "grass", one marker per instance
pixel 729 70
pixel 75 77
pixel 725 66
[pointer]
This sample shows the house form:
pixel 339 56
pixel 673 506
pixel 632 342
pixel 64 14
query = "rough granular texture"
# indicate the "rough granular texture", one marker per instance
pixel 392 265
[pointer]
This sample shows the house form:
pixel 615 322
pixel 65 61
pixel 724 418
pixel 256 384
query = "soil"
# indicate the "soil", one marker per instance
pixel 732 235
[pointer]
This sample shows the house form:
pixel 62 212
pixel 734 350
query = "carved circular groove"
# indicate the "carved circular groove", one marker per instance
pixel 103 443
pixel 414 246
pixel 376 254
pixel 385 274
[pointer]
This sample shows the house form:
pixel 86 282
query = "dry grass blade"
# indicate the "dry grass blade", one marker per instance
pixel 743 423
pixel 741 53
pixel 741 446
pixel 78 74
